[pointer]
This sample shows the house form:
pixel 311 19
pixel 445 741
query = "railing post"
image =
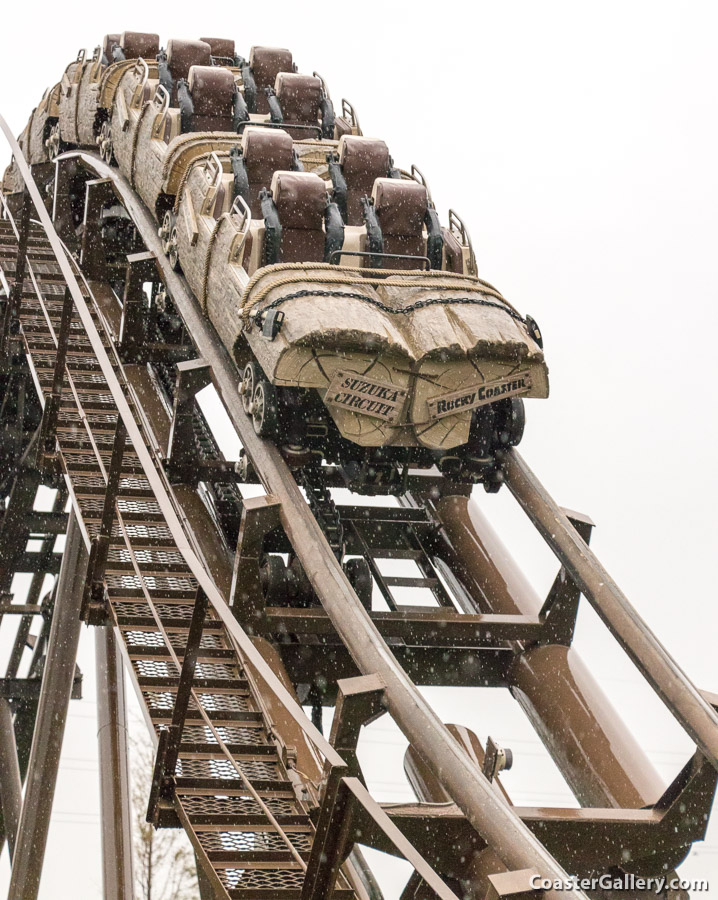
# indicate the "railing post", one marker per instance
pixel 94 604
pixel 57 681
pixel 115 805
pixel 171 737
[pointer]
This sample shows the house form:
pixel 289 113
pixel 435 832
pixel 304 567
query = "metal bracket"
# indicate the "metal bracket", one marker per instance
pixel 514 886
pixel 141 267
pixel 182 463
pixel 99 192
pixel 561 606
pixel 360 701
pixel 260 515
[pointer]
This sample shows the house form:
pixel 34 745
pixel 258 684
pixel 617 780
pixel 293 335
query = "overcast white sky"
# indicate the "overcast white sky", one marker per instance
pixel 579 143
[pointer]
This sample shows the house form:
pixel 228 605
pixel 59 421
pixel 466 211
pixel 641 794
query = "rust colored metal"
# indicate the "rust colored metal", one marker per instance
pixel 597 754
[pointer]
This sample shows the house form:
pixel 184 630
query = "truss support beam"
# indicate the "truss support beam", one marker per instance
pixel 115 806
pixel 57 681
pixel 10 779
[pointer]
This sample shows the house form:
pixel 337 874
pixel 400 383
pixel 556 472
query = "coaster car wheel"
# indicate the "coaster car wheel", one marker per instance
pixel 247 386
pixel 359 575
pixel 510 421
pixel 265 412
pixel 168 235
pixel 273 577
pixel 104 142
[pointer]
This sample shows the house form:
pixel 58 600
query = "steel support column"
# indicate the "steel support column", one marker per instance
pixel 115 810
pixel 49 731
pixel 10 780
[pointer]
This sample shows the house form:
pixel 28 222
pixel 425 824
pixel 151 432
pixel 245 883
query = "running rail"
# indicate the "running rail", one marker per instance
pixel 652 659
pixel 496 822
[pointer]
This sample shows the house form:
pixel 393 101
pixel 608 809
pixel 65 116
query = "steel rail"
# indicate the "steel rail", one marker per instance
pixel 651 658
pixel 494 821
pixel 528 851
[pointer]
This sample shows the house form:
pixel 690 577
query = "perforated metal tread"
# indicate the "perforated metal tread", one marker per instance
pixel 151 594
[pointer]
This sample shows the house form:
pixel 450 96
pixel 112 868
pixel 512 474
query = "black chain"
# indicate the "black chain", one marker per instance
pixel 323 508
pixel 404 310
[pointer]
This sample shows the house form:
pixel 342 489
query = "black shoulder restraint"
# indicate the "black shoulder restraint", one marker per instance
pixel 326 111
pixel 374 237
pixel 339 184
pixel 334 229
pixel 275 110
pixel 184 100
pixel 272 252
pixel 250 87
pixel 163 71
pixel 434 238
pixel 239 170
pixel 240 112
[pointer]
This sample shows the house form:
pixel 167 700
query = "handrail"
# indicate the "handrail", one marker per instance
pixel 459 230
pixel 239 637
pixel 154 479
pixel 159 91
pixel 211 160
pixel 240 206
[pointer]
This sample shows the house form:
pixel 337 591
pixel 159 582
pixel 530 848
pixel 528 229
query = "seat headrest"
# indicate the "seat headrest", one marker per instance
pixel 136 44
pixel 271 147
pixel 267 62
pixel 212 90
pixel 223 47
pixel 182 55
pixel 300 198
pixel 108 43
pixel 400 205
pixel 363 156
pixel 299 93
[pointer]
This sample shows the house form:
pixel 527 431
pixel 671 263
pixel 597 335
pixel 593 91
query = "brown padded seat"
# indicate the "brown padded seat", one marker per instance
pixel 400 208
pixel 107 44
pixel 220 47
pixel 265 151
pixel 266 63
pixel 136 44
pixel 182 55
pixel 363 160
pixel 299 97
pixel 212 92
pixel 300 199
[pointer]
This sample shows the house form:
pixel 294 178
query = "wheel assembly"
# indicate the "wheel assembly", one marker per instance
pixel 265 415
pixel 247 386
pixel 273 576
pixel 359 575
pixel 168 235
pixel 104 142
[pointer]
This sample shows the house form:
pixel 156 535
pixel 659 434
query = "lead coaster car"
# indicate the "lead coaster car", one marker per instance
pixel 398 359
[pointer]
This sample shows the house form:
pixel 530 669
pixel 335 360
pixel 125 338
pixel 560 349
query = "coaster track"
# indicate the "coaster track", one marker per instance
pixel 273 808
